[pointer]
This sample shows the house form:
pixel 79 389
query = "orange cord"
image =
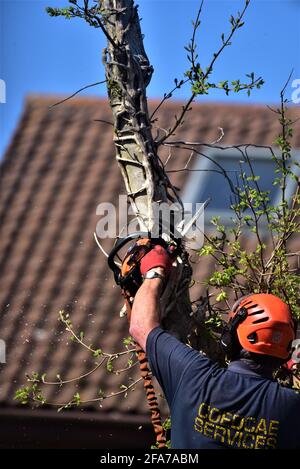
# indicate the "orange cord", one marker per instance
pixel 149 389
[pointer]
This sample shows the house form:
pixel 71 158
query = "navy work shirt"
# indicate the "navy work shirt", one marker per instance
pixel 213 407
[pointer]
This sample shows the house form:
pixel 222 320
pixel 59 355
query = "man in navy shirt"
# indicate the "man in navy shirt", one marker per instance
pixel 211 407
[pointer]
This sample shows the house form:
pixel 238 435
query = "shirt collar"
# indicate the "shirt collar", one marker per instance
pixel 240 366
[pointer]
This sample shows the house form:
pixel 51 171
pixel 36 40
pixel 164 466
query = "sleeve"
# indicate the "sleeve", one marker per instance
pixel 169 359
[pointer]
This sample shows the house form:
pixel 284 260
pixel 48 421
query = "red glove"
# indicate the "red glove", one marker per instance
pixel 157 257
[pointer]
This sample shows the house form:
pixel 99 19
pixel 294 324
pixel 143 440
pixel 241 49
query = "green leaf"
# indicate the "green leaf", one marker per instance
pixel 97 353
pixel 222 296
pixel 77 398
pixel 128 341
pixel 109 365
pixel 206 250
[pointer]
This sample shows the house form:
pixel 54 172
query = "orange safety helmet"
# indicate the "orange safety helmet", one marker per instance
pixel 262 323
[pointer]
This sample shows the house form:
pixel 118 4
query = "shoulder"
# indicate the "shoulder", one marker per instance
pixel 175 364
pixel 286 400
pixel 162 345
pixel 290 393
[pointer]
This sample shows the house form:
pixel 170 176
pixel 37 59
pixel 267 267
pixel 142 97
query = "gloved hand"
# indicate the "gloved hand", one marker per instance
pixel 157 257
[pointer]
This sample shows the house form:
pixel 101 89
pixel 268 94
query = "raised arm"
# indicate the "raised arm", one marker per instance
pixel 145 314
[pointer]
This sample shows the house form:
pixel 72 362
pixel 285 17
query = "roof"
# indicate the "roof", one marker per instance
pixel 59 166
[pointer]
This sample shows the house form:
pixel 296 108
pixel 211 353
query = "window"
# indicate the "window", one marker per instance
pixel 207 182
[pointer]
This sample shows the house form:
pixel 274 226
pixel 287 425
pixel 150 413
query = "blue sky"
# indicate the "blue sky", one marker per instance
pixel 39 54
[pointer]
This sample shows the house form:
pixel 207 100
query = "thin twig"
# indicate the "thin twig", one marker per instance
pixel 199 153
pixel 96 399
pixel 61 382
pixel 103 121
pixel 196 25
pixel 179 120
pixel 102 27
pixel 110 356
pixel 226 42
pixel 167 96
pixel 79 91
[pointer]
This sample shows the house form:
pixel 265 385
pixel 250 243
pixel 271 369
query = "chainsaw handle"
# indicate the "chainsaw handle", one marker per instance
pixel 119 244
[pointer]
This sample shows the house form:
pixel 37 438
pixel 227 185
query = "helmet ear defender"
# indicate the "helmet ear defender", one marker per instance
pixel 229 339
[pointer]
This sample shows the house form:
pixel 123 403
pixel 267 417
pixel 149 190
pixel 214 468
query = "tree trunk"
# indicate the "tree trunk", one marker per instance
pixel 128 73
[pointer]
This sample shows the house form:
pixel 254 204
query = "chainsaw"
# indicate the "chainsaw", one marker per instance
pixel 128 275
